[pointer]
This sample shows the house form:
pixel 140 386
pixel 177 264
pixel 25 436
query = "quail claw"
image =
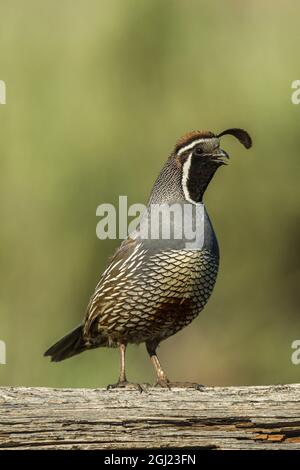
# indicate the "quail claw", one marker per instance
pixel 128 385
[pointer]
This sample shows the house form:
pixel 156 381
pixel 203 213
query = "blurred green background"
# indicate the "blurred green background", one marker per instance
pixel 97 94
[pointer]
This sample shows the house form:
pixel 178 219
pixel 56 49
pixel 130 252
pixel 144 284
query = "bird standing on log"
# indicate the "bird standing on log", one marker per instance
pixel 155 286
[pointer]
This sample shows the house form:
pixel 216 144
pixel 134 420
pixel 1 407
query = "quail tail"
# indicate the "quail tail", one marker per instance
pixel 68 346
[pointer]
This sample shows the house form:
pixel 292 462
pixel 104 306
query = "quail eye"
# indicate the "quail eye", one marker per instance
pixel 198 150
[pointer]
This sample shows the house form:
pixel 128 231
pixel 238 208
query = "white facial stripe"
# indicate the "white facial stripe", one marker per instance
pixel 185 174
pixel 191 145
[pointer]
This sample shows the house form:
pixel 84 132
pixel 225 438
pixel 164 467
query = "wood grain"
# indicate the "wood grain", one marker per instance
pixel 265 417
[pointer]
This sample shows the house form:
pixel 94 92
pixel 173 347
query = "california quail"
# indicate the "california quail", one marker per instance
pixel 154 286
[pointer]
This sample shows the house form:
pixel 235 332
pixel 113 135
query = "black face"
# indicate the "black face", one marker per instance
pixel 201 170
pixel 199 164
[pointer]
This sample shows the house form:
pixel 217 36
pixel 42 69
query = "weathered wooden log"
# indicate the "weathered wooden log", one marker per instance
pixel 265 417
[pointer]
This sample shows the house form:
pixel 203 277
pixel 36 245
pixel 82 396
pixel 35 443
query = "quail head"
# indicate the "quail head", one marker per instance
pixel 157 284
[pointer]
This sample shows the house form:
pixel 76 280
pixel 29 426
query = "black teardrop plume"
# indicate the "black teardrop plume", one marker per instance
pixel 240 134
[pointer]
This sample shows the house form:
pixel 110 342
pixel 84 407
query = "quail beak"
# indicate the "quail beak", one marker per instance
pixel 220 156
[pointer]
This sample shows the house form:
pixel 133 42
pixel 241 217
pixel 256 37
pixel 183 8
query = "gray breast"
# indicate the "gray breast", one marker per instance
pixel 180 225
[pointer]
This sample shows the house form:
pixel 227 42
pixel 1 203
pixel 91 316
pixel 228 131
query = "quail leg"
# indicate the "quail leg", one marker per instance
pixel 162 380
pixel 122 382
